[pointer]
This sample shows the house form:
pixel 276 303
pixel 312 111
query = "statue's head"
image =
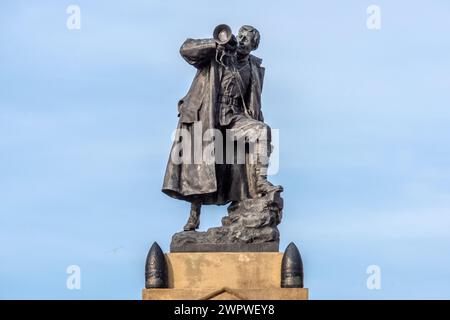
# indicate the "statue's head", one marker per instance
pixel 248 40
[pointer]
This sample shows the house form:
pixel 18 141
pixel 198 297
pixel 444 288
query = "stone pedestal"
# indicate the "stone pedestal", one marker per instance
pixel 224 276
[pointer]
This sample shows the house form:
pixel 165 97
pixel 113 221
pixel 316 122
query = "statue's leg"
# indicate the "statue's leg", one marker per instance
pixel 258 134
pixel 263 150
pixel 194 216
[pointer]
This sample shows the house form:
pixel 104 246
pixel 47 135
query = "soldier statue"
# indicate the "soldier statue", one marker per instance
pixel 225 95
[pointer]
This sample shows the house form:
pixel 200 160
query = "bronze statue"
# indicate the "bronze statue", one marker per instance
pixel 225 96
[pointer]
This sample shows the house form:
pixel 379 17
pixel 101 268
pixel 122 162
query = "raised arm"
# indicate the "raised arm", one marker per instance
pixel 198 52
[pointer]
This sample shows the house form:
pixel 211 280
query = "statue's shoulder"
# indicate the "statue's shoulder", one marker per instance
pixel 255 61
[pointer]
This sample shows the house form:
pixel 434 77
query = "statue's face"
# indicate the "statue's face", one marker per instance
pixel 245 42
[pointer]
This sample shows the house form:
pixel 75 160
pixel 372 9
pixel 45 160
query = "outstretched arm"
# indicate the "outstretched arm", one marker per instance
pixel 198 52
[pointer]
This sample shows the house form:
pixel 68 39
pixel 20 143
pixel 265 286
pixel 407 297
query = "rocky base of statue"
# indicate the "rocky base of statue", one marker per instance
pixel 251 226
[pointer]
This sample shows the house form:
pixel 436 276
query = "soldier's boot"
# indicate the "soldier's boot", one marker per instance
pixel 194 217
pixel 263 186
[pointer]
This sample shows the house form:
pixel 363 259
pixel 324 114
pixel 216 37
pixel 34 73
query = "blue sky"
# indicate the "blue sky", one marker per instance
pixel 86 118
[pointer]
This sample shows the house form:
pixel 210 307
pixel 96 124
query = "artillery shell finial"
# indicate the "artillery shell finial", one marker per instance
pixel 155 268
pixel 292 268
